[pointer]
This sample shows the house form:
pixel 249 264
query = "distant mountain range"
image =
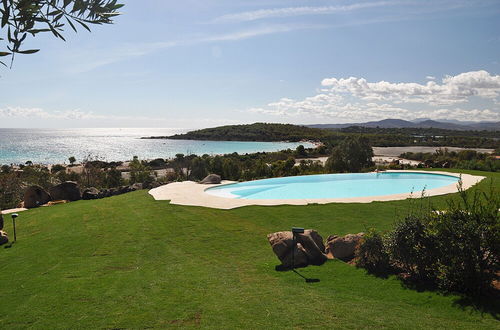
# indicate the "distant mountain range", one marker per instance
pixel 421 123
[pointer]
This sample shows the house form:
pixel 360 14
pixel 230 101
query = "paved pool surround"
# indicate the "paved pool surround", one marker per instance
pixel 193 194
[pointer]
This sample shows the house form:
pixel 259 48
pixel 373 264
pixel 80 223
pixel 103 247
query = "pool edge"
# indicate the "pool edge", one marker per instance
pixel 190 193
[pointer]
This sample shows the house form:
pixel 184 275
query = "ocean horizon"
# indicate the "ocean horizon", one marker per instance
pixel 55 146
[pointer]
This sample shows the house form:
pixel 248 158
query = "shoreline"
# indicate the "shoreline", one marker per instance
pixel 382 153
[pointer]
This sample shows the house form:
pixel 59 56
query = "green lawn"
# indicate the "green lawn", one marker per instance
pixel 132 262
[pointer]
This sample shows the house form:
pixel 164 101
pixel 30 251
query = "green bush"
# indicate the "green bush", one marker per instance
pixel 413 248
pixel 455 250
pixel 372 254
pixel 469 243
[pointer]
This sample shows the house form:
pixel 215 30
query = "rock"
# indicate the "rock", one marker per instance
pixel 211 179
pixel 124 190
pixel 136 186
pixel 104 193
pixel 90 193
pixel 343 248
pixel 152 185
pixel 35 196
pixel 4 239
pixel 309 248
pixel 313 246
pixel 68 190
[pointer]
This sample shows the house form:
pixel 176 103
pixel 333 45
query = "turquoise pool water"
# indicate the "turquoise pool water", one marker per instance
pixel 334 186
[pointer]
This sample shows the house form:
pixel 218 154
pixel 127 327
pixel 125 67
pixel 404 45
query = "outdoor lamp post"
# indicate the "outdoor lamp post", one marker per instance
pixel 14 216
pixel 295 230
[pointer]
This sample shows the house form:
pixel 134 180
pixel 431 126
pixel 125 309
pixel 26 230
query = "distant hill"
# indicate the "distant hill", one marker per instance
pixel 418 123
pixel 252 132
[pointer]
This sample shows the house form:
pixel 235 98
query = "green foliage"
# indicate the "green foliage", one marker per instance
pixel 158 163
pixel 10 190
pixel 351 155
pixel 230 169
pixel 22 18
pixel 57 168
pixel 140 172
pixel 413 248
pixel 300 152
pixel 254 132
pixel 72 160
pixel 456 250
pixel 198 168
pixel 284 168
pixel 372 253
pixel 113 178
pixel 215 165
pixel 464 159
pixel 377 137
pixel 469 243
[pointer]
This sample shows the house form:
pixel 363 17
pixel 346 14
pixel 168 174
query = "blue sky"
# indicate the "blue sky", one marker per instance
pixel 206 63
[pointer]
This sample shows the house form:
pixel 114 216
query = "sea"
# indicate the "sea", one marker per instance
pixel 55 146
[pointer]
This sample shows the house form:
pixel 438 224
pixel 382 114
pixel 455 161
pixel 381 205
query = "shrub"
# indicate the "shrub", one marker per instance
pixel 140 171
pixel 413 248
pixel 372 254
pixel 469 243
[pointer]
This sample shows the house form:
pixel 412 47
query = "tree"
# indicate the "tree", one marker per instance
pixel 198 168
pixel 23 18
pixel 300 152
pixel 139 171
pixel 231 169
pixel 350 155
pixel 72 160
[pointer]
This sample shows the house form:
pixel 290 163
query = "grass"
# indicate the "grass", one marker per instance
pixel 132 262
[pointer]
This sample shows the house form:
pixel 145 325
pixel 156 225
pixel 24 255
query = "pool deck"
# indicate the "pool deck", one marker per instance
pixel 193 194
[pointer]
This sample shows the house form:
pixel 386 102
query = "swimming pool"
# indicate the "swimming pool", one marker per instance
pixel 322 186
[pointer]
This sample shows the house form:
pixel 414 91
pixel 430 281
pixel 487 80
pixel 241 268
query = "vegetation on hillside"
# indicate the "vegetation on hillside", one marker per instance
pixel 464 159
pixel 377 137
pixel 253 132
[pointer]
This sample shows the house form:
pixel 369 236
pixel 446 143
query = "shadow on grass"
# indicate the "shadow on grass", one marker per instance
pixel 484 305
pixel 488 303
pixel 281 268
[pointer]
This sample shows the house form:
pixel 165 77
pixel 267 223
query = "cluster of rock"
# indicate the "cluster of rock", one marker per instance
pixel 35 196
pixel 211 179
pixel 310 249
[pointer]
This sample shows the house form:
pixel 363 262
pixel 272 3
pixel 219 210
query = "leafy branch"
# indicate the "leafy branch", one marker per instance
pixel 22 18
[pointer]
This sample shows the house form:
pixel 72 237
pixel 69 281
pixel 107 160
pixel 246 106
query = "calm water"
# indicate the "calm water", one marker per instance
pixel 334 186
pixel 50 146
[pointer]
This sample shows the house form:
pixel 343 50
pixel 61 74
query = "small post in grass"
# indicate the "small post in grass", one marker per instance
pixel 299 230
pixel 14 216
pixel 295 230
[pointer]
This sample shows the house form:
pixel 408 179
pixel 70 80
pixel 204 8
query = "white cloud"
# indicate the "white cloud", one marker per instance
pixel 356 99
pixel 454 89
pixel 33 113
pixel 430 77
pixel 297 11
